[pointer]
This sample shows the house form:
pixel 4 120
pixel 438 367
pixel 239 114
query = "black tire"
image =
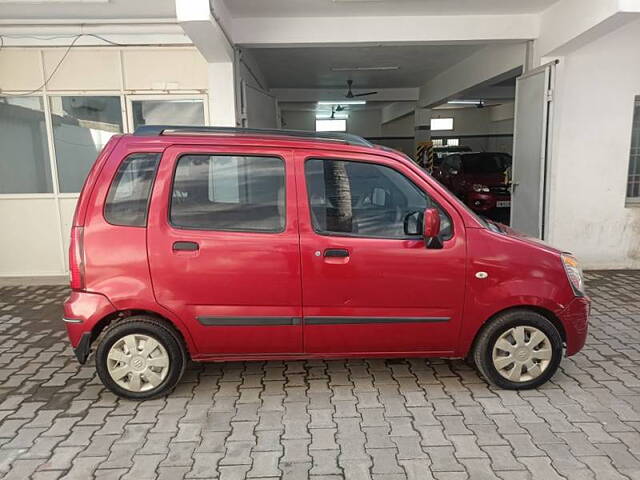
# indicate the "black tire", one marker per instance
pixel 159 331
pixel 483 350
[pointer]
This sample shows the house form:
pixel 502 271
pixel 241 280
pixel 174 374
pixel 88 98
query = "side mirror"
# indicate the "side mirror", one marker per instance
pixel 431 228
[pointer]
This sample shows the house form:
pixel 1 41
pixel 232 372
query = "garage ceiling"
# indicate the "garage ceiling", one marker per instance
pixel 311 67
pixel 338 8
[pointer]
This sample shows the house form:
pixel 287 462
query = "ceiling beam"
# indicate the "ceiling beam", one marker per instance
pixel 309 31
pixel 488 92
pixel 482 68
pixel 570 24
pixel 329 94
pixel 396 110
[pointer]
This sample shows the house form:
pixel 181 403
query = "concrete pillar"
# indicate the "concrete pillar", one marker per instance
pixel 207 34
pixel 422 125
pixel 222 95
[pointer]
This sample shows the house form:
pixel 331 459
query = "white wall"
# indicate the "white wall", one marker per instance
pixel 365 123
pixel 474 127
pixel 400 127
pixel 472 121
pixel 399 134
pixel 595 87
pixel 37 225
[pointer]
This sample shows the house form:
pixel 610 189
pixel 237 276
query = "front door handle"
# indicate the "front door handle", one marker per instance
pixel 185 246
pixel 336 252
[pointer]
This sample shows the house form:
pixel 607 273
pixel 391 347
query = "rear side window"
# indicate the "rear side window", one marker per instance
pixel 229 193
pixel 128 198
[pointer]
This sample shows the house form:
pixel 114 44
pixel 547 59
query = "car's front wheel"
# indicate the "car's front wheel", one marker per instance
pixel 519 349
pixel 140 358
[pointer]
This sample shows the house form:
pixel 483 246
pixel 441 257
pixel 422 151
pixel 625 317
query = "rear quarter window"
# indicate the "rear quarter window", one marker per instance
pixel 128 198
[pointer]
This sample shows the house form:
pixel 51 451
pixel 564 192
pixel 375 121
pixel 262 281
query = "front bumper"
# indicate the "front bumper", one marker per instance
pixel 575 318
pixel 82 311
pixel 483 202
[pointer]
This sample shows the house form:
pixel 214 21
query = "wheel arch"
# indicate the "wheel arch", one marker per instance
pixel 548 314
pixel 119 315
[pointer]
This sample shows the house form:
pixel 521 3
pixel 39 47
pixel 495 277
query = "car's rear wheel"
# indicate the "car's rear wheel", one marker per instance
pixel 140 358
pixel 519 349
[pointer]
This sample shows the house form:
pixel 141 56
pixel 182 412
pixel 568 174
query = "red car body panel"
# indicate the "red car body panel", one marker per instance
pixel 82 311
pixel 536 279
pixel 285 275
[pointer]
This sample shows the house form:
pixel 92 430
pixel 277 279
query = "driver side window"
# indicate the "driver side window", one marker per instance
pixel 365 200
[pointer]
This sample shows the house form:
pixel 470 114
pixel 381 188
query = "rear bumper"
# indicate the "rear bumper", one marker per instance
pixel 575 318
pixel 82 311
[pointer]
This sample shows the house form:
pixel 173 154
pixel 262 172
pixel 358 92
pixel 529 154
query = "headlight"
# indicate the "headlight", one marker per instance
pixel 574 273
pixel 478 187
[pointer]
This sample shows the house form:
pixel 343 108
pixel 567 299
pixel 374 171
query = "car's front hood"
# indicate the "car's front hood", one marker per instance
pixel 523 237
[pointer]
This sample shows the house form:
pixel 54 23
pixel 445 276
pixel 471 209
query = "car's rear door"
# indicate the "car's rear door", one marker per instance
pixel 224 250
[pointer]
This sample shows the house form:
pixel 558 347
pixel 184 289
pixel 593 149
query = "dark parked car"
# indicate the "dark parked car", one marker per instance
pixel 441 152
pixel 482 180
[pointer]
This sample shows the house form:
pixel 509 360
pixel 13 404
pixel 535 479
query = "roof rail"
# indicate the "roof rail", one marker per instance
pixel 154 130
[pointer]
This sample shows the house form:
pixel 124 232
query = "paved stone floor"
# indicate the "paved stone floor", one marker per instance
pixel 393 419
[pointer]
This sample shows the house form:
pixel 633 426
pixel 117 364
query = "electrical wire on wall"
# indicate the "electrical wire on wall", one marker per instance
pixel 55 69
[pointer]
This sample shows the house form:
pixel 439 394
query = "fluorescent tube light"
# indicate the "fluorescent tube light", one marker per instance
pixel 465 102
pixel 382 68
pixel 343 102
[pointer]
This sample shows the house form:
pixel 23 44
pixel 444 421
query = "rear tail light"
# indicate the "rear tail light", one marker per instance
pixel 76 258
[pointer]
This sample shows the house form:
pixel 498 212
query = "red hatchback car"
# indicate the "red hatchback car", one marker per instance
pixel 226 244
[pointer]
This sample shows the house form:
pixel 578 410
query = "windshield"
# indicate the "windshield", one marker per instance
pixel 486 163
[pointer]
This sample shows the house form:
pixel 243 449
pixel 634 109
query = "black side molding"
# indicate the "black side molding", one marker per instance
pixel 247 321
pixel 359 320
pixel 84 348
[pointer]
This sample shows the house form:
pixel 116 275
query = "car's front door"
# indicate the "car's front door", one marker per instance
pixel 224 249
pixel 367 285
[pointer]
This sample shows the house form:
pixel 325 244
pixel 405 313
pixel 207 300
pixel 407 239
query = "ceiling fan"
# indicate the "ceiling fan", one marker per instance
pixel 334 110
pixel 350 93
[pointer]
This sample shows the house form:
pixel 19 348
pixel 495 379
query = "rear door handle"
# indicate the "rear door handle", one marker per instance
pixel 336 252
pixel 185 246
